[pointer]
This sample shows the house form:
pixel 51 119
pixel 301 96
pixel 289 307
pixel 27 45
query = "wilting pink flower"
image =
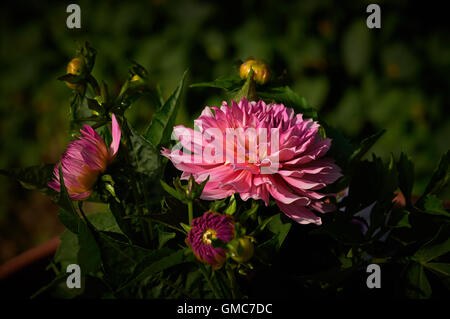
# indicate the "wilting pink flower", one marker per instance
pixel 204 230
pixel 282 155
pixel 83 161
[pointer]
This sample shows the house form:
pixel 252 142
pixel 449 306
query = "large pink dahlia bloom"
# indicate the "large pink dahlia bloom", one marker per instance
pixel 83 161
pixel 286 162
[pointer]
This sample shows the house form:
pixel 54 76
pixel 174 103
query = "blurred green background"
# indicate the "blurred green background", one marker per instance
pixel 362 80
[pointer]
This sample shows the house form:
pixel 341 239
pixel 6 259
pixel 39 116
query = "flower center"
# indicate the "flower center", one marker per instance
pixel 208 236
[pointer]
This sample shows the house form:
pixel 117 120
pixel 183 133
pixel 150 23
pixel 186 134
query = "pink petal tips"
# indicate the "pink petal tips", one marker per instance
pixel 84 160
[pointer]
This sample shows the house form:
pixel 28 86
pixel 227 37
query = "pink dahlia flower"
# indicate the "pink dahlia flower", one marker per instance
pixel 204 230
pixel 83 161
pixel 257 150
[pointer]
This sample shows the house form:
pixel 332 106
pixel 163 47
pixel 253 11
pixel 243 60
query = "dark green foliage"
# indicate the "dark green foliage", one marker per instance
pixel 137 248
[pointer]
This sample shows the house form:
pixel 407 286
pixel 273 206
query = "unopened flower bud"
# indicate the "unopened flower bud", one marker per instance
pixel 261 70
pixel 137 78
pixel 76 67
pixel 244 251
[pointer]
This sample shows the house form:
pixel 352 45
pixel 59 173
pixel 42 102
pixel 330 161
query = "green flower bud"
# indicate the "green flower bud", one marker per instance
pixel 136 78
pixel 76 67
pixel 261 70
pixel 244 251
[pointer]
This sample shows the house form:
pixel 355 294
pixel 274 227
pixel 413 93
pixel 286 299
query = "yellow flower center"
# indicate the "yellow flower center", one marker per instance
pixel 208 236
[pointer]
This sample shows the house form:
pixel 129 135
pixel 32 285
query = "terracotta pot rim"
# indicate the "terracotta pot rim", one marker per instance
pixel 29 257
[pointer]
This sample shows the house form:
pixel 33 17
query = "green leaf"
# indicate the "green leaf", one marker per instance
pixel 262 225
pixel 248 90
pixel 172 191
pixel 119 213
pixel 67 252
pixel 365 146
pixel 440 269
pixel 69 220
pixel 34 177
pixel 186 227
pixel 164 237
pixel 197 189
pixel 341 149
pixel 89 257
pixel 280 229
pixel 104 221
pixel 231 209
pixel 399 219
pixel 405 170
pixel 418 286
pixel 216 205
pixel 66 203
pixel 433 206
pixel 229 83
pixel 145 157
pixel 250 213
pixel 61 278
pixel 93 105
pixel 383 183
pixel 439 245
pixel 289 98
pixel 88 53
pixel 119 257
pixel 160 129
pixel 343 230
pixel 154 263
pixel 439 179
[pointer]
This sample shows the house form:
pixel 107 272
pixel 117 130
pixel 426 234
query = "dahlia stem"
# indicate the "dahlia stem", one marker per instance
pixel 190 211
pixel 232 279
pixel 208 279
pixel 146 226
pixel 88 223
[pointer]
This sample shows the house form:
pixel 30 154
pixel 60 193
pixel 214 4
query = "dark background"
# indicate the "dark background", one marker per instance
pixel 361 80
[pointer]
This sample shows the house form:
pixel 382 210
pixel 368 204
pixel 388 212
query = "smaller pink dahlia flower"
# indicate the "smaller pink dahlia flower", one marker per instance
pixel 204 230
pixel 84 160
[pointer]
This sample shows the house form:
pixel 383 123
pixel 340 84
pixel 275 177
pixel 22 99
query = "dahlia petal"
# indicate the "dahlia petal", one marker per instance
pixel 282 194
pixel 94 162
pixel 116 134
pixel 213 191
pixel 322 206
pixel 90 133
pixel 302 183
pixel 299 213
pixel 257 192
pixel 241 181
pixel 81 196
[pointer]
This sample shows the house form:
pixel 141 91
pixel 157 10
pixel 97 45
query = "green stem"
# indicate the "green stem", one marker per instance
pixel 190 211
pixel 146 227
pixel 205 273
pixel 232 279
pixel 80 207
pixel 380 260
pixel 159 222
